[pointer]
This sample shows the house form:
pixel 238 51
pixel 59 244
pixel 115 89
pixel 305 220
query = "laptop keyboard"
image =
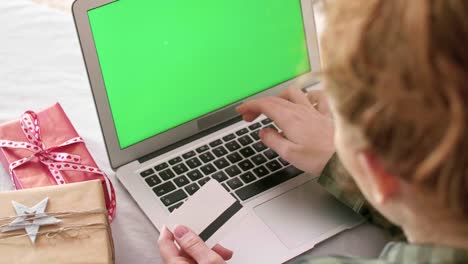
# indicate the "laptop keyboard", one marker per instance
pixel 239 161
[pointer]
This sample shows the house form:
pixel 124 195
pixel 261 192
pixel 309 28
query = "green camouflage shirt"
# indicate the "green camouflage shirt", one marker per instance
pixel 399 253
pixel 394 252
pixel 338 182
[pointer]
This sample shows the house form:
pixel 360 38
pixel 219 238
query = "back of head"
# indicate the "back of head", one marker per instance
pixel 398 73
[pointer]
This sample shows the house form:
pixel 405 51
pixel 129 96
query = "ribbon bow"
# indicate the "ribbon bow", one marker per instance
pixel 54 160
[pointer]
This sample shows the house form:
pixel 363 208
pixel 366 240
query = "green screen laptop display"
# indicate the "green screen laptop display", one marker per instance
pixel 167 62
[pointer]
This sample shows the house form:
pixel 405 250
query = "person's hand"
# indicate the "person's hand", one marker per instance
pixel 317 98
pixel 192 248
pixel 307 125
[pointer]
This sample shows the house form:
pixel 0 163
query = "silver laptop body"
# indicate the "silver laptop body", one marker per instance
pixel 289 212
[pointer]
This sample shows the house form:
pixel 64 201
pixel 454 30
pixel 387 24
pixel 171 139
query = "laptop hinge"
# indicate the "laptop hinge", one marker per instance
pixel 190 139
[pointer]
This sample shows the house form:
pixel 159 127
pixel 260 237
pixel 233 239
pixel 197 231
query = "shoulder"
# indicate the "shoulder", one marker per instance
pixel 423 253
pixel 337 260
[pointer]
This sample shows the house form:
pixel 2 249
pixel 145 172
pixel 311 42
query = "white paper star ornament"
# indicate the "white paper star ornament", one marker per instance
pixel 38 215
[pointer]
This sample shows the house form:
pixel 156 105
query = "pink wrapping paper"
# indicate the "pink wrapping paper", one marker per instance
pixel 55 129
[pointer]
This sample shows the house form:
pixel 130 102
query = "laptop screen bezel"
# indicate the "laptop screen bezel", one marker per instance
pixel 118 156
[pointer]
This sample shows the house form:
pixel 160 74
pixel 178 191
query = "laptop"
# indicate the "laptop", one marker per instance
pixel 166 77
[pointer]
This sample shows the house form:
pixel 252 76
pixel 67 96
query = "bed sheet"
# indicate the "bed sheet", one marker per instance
pixel 40 64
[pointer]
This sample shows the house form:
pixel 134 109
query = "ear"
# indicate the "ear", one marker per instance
pixel 384 184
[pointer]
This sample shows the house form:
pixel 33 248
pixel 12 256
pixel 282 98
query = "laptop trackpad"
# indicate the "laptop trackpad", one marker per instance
pixel 304 214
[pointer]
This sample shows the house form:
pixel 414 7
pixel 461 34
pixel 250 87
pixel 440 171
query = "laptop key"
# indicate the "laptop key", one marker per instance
pixel 175 160
pixel 261 171
pixel 267 182
pixel 245 165
pixel 226 187
pixel 147 172
pixel 242 132
pixel 180 168
pixel 283 161
pixel 245 140
pixel 164 188
pixel 202 149
pixel 207 157
pixel 234 183
pixel 259 159
pixel 181 181
pixel 189 154
pixel 267 121
pixel 273 127
pixel 195 175
pixel 273 165
pixel 153 180
pixel 166 174
pixel 232 146
pixel 220 176
pixel 161 166
pixel 255 126
pixel 255 135
pixel 248 177
pixel 234 157
pixel 221 163
pixel 233 171
pixel 247 152
pixel 216 143
pixel 220 151
pixel 229 137
pixel 192 188
pixel 270 154
pixel 172 208
pixel 193 162
pixel 174 197
pixel 259 146
pixel 203 181
pixel 208 169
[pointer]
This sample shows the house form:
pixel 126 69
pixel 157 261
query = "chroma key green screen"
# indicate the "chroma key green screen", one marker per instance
pixel 167 62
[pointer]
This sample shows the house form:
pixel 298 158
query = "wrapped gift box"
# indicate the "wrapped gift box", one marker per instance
pixel 89 241
pixel 55 129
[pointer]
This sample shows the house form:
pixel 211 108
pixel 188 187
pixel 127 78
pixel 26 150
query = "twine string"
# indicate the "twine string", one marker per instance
pixel 65 231
pixel 70 231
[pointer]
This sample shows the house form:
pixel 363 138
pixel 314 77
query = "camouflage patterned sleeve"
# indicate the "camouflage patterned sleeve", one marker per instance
pixel 333 179
pixel 398 253
pixel 337 260
pixel 339 183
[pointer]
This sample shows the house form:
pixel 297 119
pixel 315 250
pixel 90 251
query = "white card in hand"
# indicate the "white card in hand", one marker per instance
pixel 211 213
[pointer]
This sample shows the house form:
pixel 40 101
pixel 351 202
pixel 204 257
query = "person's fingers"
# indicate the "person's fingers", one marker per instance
pixel 254 108
pixel 319 100
pixel 225 253
pixel 295 95
pixel 192 244
pixel 281 145
pixel 249 117
pixel 315 96
pixel 166 244
pixel 272 107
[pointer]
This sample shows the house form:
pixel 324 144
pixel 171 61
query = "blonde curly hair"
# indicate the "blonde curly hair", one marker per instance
pixel 398 72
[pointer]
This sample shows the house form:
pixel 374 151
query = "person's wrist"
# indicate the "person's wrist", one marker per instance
pixel 326 160
pixel 326 170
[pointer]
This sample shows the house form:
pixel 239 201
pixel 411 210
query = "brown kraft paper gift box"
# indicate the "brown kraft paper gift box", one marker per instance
pixel 86 245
